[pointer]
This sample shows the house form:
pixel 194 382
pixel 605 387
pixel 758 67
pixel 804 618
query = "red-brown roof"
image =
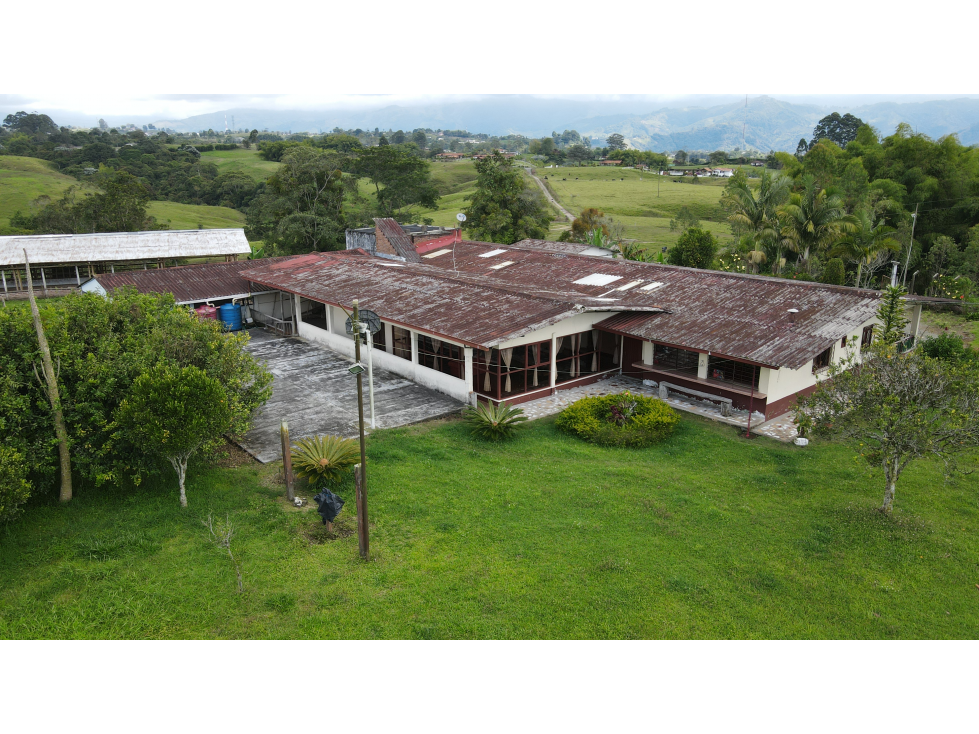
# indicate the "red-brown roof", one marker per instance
pixel 190 283
pixel 400 241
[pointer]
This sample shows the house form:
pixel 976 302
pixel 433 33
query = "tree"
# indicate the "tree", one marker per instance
pixel 502 208
pixel 680 158
pixel 834 273
pixel 890 313
pixel 401 179
pixel 718 156
pixel 841 130
pixel 418 138
pixel 696 248
pixel 398 137
pixel 172 411
pixel 865 242
pixel 801 149
pixel 615 141
pixel 816 219
pixel 302 207
pixel 754 212
pixel 579 153
pixel 253 137
pixel 896 408
pixel 685 219
pixel 31 124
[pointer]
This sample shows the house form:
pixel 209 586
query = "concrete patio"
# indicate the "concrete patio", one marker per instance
pixel 315 393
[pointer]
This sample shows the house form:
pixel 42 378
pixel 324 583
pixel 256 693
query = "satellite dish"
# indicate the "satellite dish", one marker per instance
pixel 461 217
pixel 367 318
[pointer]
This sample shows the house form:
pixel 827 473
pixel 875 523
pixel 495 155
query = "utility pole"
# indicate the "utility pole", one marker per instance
pixel 361 475
pixel 914 221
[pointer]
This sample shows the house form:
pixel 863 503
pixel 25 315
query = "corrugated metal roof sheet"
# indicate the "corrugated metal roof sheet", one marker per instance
pixel 400 241
pixel 569 248
pixel 191 283
pixel 121 246
pixel 476 310
pixel 740 316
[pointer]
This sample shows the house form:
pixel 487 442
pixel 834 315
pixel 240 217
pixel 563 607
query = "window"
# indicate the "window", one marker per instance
pixel 441 356
pixel 402 342
pixel 314 313
pixel 821 361
pixel 380 339
pixel 503 373
pixel 722 369
pixel 868 336
pixel 675 360
pixel 586 353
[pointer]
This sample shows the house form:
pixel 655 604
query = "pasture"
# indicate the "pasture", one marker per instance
pixel 195 216
pixel 22 180
pixel 703 536
pixel 244 161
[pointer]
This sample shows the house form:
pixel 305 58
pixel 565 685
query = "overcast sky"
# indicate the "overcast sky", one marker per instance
pixel 180 106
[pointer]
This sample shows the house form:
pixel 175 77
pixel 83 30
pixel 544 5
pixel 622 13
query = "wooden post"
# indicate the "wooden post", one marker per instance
pixel 360 471
pixel 287 461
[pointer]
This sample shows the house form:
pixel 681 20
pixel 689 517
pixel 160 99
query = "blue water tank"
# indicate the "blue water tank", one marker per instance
pixel 230 314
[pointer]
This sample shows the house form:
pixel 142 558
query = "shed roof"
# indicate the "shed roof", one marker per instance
pixel 572 248
pixel 120 246
pixel 190 283
pixel 400 241
pixel 477 310
pixel 736 315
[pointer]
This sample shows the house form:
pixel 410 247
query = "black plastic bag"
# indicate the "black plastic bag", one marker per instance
pixel 329 505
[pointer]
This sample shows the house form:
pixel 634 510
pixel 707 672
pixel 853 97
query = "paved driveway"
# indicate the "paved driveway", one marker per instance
pixel 315 393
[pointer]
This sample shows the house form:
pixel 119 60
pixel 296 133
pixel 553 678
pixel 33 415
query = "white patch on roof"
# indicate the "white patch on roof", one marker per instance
pixel 393 265
pixel 437 253
pixel 599 298
pixel 492 253
pixel 650 286
pixel 598 279
pixel 501 265
pixel 627 286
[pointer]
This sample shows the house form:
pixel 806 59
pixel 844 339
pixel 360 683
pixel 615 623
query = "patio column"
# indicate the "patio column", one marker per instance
pixel 553 361
pixel 297 314
pixel 414 346
pixel 44 281
pixel 78 277
pixel 388 338
pixel 702 367
pixel 3 274
pixel 468 353
pixel 329 318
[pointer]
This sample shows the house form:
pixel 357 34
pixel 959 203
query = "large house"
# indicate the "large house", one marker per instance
pixel 481 321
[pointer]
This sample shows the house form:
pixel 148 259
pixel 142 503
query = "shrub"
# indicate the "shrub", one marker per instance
pixel 696 248
pixel 493 422
pixel 619 420
pixel 324 458
pixel 834 273
pixel 14 487
pixel 948 348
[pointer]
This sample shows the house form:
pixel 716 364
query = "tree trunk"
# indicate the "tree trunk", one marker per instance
pixel 859 269
pixel 54 396
pixel 892 472
pixel 180 466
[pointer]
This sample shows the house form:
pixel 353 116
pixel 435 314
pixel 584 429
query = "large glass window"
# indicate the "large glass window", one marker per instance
pixel 314 313
pixel 585 353
pixel 501 373
pixel 676 360
pixel 722 369
pixel 402 342
pixel 441 356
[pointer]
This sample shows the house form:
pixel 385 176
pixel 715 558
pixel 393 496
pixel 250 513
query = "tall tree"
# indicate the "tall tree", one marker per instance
pixel 579 153
pixel 865 241
pixel 680 158
pixel 816 219
pixel 696 248
pixel 754 212
pixel 503 208
pixel 891 315
pixel 401 179
pixel 302 207
pixel 841 130
pixel 615 141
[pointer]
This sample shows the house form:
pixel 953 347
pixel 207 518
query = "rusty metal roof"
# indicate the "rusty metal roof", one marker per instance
pixel 120 246
pixel 736 315
pixel 399 239
pixel 190 283
pixel 569 248
pixel 479 311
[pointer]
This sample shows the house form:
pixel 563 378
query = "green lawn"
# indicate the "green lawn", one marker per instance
pixel 190 216
pixel 704 536
pixel 246 161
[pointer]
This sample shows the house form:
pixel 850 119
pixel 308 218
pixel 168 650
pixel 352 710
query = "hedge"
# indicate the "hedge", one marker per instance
pixel 619 420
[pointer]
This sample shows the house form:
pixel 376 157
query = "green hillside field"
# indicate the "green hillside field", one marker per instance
pixel 246 161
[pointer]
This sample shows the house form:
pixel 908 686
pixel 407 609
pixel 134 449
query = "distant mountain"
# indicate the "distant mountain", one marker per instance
pixel 766 123
pixel 770 124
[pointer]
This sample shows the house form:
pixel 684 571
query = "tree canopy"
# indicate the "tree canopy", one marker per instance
pixel 503 208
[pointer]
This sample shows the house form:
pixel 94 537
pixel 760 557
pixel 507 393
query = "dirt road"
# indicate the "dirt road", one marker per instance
pixel 550 198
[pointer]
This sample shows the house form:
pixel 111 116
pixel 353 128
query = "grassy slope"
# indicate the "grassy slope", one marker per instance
pixel 24 179
pixel 246 161
pixel 544 537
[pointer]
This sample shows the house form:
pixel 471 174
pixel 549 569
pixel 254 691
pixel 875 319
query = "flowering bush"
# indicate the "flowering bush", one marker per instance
pixel 619 420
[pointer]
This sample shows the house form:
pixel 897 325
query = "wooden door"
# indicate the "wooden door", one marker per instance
pixel 631 354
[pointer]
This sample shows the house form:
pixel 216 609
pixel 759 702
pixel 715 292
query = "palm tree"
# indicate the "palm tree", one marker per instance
pixel 757 215
pixel 815 219
pixel 866 241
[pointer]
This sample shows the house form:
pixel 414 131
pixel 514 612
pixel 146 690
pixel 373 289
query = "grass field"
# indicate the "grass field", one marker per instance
pixel 24 179
pixel 246 161
pixel 703 536
pixel 190 216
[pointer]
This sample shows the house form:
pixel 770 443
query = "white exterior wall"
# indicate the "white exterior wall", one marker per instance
pixel 573 325
pixel 343 344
